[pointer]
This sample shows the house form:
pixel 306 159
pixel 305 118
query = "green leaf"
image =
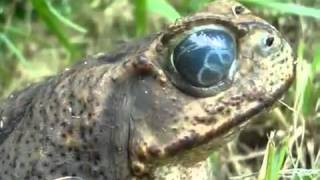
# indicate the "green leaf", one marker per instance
pixel 273 159
pixel 163 8
pixel 64 20
pixel 13 49
pixel 303 93
pixel 195 5
pixel 140 14
pixel 279 158
pixel 45 13
pixel 15 31
pixel 288 8
pixel 316 61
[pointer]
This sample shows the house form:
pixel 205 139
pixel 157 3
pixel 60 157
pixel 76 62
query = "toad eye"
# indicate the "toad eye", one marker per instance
pixel 205 56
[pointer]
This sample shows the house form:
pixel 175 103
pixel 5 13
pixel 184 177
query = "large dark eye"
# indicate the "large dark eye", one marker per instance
pixel 205 56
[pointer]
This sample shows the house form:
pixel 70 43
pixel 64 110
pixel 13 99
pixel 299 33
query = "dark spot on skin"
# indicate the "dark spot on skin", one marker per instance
pixel 63 135
pixel 19 138
pixel 22 165
pixel 63 124
pixel 64 173
pixel 63 154
pixel 95 173
pixel 70 130
pixel 97 157
pixel 82 132
pixel 77 156
pixel 45 164
pixel 95 140
pixel 13 164
pixel 283 61
pixel 90 130
pixel 51 125
pixel 90 115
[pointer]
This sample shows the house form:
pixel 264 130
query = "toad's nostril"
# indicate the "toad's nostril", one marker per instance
pixel 269 41
pixel 238 10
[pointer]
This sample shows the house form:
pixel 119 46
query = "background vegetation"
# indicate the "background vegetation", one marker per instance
pixel 39 38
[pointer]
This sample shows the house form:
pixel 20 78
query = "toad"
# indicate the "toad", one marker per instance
pixel 155 108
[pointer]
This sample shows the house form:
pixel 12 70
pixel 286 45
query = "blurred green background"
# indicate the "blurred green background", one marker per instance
pixel 39 38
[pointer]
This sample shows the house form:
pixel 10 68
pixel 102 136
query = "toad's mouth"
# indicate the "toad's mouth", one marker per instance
pixel 208 124
pixel 203 135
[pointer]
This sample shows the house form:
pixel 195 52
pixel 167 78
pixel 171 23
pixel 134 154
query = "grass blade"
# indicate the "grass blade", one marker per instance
pixel 163 8
pixel 195 5
pixel 288 8
pixel 140 13
pixel 64 20
pixel 273 159
pixel 13 49
pixel 316 60
pixel 53 23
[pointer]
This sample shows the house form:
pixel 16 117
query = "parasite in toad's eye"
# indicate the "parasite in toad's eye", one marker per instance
pixel 204 57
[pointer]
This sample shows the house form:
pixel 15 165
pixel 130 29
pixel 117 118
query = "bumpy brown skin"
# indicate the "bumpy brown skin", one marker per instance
pixel 121 116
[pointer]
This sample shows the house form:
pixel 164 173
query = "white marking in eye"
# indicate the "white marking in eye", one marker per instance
pixel 210 66
pixel 204 40
pixel 199 41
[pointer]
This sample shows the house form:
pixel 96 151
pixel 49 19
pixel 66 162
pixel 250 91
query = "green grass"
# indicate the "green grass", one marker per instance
pixel 287 7
pixel 41 37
